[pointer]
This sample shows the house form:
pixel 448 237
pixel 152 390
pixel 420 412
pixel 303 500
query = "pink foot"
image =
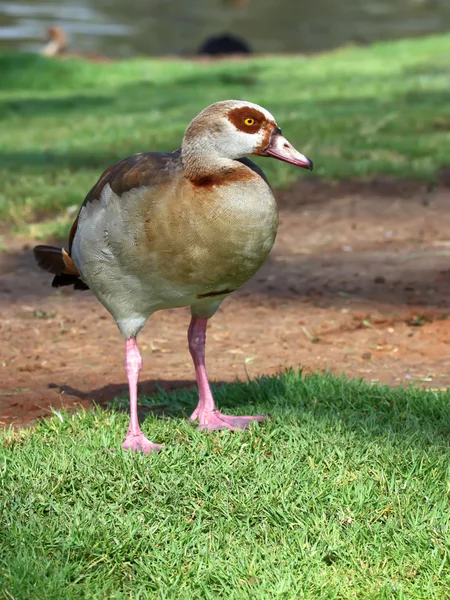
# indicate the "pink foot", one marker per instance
pixel 139 443
pixel 217 420
pixel 135 440
pixel 206 412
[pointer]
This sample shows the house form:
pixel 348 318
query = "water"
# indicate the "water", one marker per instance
pixel 121 28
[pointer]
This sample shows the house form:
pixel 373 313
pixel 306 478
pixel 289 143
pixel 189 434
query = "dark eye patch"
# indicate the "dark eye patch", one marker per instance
pixel 237 116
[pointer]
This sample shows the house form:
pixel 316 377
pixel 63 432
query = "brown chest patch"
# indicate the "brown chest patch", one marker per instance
pixel 223 177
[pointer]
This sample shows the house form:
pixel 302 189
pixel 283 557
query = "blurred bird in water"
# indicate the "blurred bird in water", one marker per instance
pixel 56 46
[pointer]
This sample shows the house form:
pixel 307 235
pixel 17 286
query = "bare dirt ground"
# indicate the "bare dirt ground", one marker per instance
pixel 358 282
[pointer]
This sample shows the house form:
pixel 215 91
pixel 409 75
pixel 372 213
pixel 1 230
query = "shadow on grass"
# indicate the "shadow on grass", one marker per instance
pixel 293 398
pixel 25 72
pixel 361 120
pixel 131 98
pixel 115 395
pixel 34 162
pixel 72 104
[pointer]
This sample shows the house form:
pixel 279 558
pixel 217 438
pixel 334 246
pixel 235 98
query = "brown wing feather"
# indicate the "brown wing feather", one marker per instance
pixel 149 168
pixel 145 169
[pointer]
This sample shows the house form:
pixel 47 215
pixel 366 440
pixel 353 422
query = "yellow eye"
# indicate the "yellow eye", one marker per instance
pixel 249 122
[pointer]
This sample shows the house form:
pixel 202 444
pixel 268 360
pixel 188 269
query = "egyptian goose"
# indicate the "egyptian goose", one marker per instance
pixel 56 46
pixel 186 228
pixel 56 42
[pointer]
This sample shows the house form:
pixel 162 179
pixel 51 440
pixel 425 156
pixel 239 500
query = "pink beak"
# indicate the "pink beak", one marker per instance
pixel 281 149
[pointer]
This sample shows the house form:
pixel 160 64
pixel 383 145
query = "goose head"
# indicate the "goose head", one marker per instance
pixel 234 129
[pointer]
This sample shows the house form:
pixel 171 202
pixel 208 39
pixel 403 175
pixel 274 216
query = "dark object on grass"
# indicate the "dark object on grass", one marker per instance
pixel 225 43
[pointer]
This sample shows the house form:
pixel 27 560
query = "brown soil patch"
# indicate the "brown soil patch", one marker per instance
pixel 358 282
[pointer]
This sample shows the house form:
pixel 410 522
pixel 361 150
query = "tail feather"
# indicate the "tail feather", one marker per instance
pixel 64 279
pixel 49 258
pixel 57 261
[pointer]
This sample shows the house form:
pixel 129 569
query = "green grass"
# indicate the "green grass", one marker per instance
pixel 342 494
pixel 357 112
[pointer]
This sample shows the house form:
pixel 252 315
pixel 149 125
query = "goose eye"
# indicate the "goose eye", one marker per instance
pixel 249 121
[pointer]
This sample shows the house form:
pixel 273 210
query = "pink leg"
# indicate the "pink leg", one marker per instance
pixel 135 439
pixel 206 412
